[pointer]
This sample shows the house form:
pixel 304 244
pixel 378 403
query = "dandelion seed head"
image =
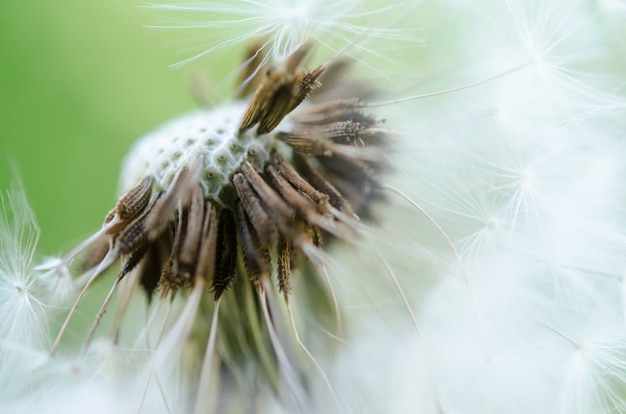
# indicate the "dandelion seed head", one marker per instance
pixel 217 206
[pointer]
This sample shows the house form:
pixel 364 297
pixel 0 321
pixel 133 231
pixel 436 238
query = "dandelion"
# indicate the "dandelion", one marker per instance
pixel 19 238
pixel 218 202
pixel 23 321
pixel 248 275
pixel 25 302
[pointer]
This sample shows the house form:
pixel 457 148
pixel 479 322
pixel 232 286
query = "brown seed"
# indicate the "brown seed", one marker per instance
pixel 133 259
pixel 254 210
pixel 287 97
pixel 358 197
pixel 226 253
pixel 136 233
pixel 254 255
pixel 303 186
pixel 308 142
pixel 280 92
pixel 180 190
pixel 335 111
pixel 276 208
pixel 345 132
pixel 304 206
pixel 188 254
pixel 153 262
pixel 284 266
pixel 130 205
pixel 171 277
pixel 205 267
pixel 336 199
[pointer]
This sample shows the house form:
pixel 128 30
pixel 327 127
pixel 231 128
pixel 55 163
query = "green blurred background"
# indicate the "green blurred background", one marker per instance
pixel 80 81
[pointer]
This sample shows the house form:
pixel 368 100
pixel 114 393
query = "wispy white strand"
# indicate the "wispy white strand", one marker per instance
pixel 287 24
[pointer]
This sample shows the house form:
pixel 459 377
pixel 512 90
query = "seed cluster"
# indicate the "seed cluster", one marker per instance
pixel 226 198
pixel 213 188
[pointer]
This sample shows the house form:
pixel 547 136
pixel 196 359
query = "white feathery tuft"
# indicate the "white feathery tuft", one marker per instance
pixel 525 174
pixel 23 314
pixel 280 27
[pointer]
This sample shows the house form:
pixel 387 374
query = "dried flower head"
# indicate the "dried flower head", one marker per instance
pixel 229 200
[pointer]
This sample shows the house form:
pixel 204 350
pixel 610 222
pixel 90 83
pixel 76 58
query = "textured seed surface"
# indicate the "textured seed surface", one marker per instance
pixel 212 134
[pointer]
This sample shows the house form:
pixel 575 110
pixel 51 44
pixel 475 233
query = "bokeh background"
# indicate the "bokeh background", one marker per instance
pixel 80 81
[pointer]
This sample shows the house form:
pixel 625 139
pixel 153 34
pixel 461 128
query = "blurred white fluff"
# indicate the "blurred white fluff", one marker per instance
pixel 526 175
pixel 23 314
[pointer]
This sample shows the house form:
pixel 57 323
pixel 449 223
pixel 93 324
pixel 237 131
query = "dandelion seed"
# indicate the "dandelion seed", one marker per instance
pixel 23 312
pixel 25 301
